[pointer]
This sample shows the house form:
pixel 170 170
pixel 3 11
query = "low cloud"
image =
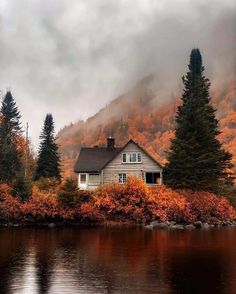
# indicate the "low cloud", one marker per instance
pixel 70 58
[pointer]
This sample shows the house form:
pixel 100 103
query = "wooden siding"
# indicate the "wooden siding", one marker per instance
pixel 111 171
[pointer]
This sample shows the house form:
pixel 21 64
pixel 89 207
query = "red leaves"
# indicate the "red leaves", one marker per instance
pixel 133 201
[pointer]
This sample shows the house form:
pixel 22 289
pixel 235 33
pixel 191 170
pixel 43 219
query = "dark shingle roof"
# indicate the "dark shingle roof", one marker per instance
pixel 94 159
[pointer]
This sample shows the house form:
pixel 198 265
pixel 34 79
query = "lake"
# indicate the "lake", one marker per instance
pixel 117 260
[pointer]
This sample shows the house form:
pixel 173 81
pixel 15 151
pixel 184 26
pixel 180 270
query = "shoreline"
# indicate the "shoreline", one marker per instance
pixel 155 225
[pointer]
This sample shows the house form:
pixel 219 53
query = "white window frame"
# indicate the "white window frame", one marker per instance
pixel 83 182
pixel 83 185
pixel 128 157
pixel 95 183
pixel 122 178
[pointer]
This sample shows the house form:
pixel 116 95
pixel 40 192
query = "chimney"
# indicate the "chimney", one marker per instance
pixel 110 143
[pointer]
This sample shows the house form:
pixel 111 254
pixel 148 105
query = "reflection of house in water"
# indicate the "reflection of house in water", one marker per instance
pixel 102 165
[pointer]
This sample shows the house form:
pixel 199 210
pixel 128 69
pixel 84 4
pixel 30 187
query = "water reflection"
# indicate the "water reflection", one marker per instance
pixel 112 260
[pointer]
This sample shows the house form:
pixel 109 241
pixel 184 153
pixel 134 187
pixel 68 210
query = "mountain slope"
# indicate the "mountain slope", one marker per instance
pixel 147 118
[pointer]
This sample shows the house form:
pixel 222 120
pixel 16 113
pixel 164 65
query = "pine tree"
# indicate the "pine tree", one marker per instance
pixel 10 130
pixel 196 159
pixel 48 164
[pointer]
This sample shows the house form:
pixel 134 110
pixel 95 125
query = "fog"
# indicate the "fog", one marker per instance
pixel 71 58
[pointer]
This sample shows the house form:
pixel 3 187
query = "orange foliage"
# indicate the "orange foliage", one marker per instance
pixel 135 201
pixel 147 122
pixel 130 202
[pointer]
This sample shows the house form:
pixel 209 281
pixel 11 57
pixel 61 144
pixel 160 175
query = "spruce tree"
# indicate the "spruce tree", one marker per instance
pixel 48 164
pixel 196 159
pixel 10 129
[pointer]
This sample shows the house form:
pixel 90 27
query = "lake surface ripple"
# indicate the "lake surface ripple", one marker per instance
pixel 117 260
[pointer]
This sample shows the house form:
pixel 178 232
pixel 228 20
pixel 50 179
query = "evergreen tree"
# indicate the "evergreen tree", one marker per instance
pixel 196 159
pixel 48 164
pixel 10 130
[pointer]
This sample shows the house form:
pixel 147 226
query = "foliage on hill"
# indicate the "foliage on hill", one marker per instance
pixel 147 121
pixel 131 202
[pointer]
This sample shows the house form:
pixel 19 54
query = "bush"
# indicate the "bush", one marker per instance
pixel 206 206
pixel 22 188
pixel 168 205
pixel 10 207
pixel 123 202
pixel 67 193
pixel 132 201
pixel 70 196
pixel 47 184
pixel 41 207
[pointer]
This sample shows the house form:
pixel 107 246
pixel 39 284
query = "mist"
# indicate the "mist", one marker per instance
pixel 70 58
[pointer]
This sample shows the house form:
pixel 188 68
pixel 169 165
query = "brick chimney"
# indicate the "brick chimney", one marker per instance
pixel 110 143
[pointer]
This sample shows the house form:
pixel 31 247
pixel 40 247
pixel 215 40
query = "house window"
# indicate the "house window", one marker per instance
pixel 83 178
pixel 122 178
pixel 94 179
pixel 132 157
pixel 153 178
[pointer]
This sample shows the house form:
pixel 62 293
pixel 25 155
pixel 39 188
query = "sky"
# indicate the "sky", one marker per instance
pixel 70 58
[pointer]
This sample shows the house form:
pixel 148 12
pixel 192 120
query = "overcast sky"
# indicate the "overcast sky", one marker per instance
pixel 71 57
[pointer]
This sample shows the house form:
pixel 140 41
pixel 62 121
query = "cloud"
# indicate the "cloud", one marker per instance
pixel 72 57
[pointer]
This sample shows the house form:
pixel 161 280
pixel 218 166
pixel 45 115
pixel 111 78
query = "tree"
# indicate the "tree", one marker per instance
pixel 68 194
pixel 48 164
pixel 10 131
pixel 196 159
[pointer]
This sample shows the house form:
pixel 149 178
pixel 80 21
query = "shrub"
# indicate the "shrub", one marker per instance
pixel 22 188
pixel 207 206
pixel 90 214
pixel 47 184
pixel 168 205
pixel 124 202
pixel 41 207
pixel 67 193
pixel 10 207
pixel 70 196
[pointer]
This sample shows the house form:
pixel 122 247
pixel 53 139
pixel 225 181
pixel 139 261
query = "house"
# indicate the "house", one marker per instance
pixel 101 165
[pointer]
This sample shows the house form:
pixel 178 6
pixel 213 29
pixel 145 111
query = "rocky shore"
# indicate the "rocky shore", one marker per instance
pixel 193 226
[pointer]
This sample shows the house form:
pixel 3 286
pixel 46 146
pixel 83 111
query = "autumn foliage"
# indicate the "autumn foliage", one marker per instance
pixel 148 123
pixel 132 202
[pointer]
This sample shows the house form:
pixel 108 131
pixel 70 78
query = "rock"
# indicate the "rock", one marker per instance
pixel 51 225
pixel 161 226
pixel 155 223
pixel 172 223
pixel 149 227
pixel 16 225
pixel 190 227
pixel 177 227
pixel 205 226
pixel 198 225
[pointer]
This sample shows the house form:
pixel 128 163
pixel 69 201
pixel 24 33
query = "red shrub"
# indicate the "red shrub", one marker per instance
pixel 10 207
pixel 41 206
pixel 168 205
pixel 123 202
pixel 207 207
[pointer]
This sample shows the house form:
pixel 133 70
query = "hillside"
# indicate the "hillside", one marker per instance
pixel 148 118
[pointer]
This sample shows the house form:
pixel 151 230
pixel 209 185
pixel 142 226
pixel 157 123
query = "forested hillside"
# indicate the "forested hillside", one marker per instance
pixel 148 118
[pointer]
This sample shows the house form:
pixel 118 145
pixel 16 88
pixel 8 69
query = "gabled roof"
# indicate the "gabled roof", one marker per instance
pixel 95 159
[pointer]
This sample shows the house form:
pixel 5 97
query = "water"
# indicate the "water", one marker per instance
pixel 117 260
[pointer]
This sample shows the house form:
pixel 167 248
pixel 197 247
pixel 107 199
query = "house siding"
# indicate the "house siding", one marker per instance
pixel 112 170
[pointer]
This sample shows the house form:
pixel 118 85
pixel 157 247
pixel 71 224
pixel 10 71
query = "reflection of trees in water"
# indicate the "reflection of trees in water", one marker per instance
pixel 114 260
pixel 12 257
